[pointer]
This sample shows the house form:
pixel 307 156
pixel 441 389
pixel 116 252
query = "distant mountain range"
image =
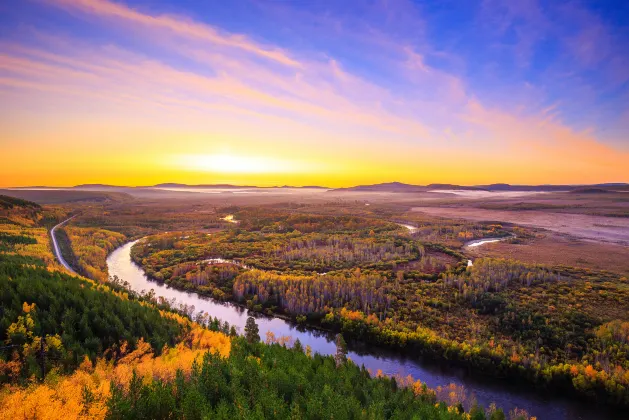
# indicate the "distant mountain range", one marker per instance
pixel 216 186
pixel 398 187
pixel 388 187
pixel 385 187
pixel 229 186
pixel 105 187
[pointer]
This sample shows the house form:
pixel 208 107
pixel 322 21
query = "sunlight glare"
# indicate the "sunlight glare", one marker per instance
pixel 227 163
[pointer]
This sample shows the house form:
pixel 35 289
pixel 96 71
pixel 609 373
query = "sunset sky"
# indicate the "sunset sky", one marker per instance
pixel 333 93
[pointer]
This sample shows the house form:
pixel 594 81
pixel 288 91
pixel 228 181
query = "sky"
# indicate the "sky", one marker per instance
pixel 332 93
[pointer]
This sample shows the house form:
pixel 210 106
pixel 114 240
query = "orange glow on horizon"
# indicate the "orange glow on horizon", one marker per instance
pixel 189 102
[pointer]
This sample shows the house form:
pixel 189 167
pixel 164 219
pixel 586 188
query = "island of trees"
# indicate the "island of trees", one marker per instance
pixel 557 327
pixel 75 347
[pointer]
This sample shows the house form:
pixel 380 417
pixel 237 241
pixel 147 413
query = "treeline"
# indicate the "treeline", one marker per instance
pixel 555 332
pixel 555 327
pixel 497 327
pixel 90 248
pixel 208 278
pixel 29 214
pixel 137 219
pixel 19 212
pixel 493 275
pixel 133 360
pixel 7 202
pixel 274 382
pixel 457 232
pixel 9 240
pixel 317 294
pixel 269 220
pixel 74 317
pixel 614 332
pixel 605 384
pixel 331 249
pixel 214 376
pixel 19 241
pixel 293 251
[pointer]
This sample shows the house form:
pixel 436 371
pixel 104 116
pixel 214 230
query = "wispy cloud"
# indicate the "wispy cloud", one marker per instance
pixel 177 25
pixel 399 114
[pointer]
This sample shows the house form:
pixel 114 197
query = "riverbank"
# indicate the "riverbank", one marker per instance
pixel 320 340
pixel 479 242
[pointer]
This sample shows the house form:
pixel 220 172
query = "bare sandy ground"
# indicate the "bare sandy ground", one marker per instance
pixel 559 249
pixel 593 228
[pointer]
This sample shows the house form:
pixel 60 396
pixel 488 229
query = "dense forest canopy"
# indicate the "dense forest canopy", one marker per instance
pixel 7 202
pixel 82 318
pixel 413 289
pixel 364 276
pixel 103 351
pixel 88 249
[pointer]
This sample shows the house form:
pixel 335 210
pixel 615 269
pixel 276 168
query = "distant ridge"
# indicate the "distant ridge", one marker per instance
pixel 305 187
pixel 453 187
pixel 231 186
pixel 97 186
pixel 388 187
pixel 7 202
pixel 385 187
pixel 398 187
pixel 219 186
pixel 549 188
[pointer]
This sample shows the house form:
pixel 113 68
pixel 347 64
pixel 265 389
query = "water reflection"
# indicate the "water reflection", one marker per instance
pixel 485 390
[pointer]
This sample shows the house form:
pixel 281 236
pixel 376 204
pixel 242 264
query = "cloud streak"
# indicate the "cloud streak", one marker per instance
pixel 183 27
pixel 400 115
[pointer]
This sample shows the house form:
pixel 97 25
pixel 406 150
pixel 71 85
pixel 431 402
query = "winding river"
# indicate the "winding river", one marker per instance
pixel 485 390
pixel 479 242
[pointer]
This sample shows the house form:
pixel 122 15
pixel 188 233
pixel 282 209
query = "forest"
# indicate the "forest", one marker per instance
pixel 268 220
pixel 87 249
pixel 77 348
pixel 24 233
pixel 555 326
pixel 75 318
pixel 273 381
pixel 312 295
pixel 287 252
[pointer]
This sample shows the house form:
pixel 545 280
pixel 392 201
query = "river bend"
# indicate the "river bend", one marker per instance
pixel 486 391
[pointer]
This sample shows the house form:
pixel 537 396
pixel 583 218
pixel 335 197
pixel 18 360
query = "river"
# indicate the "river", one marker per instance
pixel 479 242
pixel 486 390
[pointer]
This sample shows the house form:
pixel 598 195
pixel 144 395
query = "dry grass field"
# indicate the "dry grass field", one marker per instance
pixel 556 249
pixel 583 226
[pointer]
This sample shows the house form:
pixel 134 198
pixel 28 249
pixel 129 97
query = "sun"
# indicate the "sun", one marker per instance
pixel 234 164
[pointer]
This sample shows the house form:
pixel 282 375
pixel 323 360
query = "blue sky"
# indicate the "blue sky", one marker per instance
pixel 570 55
pixel 522 83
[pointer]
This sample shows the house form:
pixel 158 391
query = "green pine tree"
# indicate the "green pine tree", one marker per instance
pixel 252 332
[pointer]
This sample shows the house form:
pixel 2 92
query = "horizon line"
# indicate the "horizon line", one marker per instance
pixel 226 185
